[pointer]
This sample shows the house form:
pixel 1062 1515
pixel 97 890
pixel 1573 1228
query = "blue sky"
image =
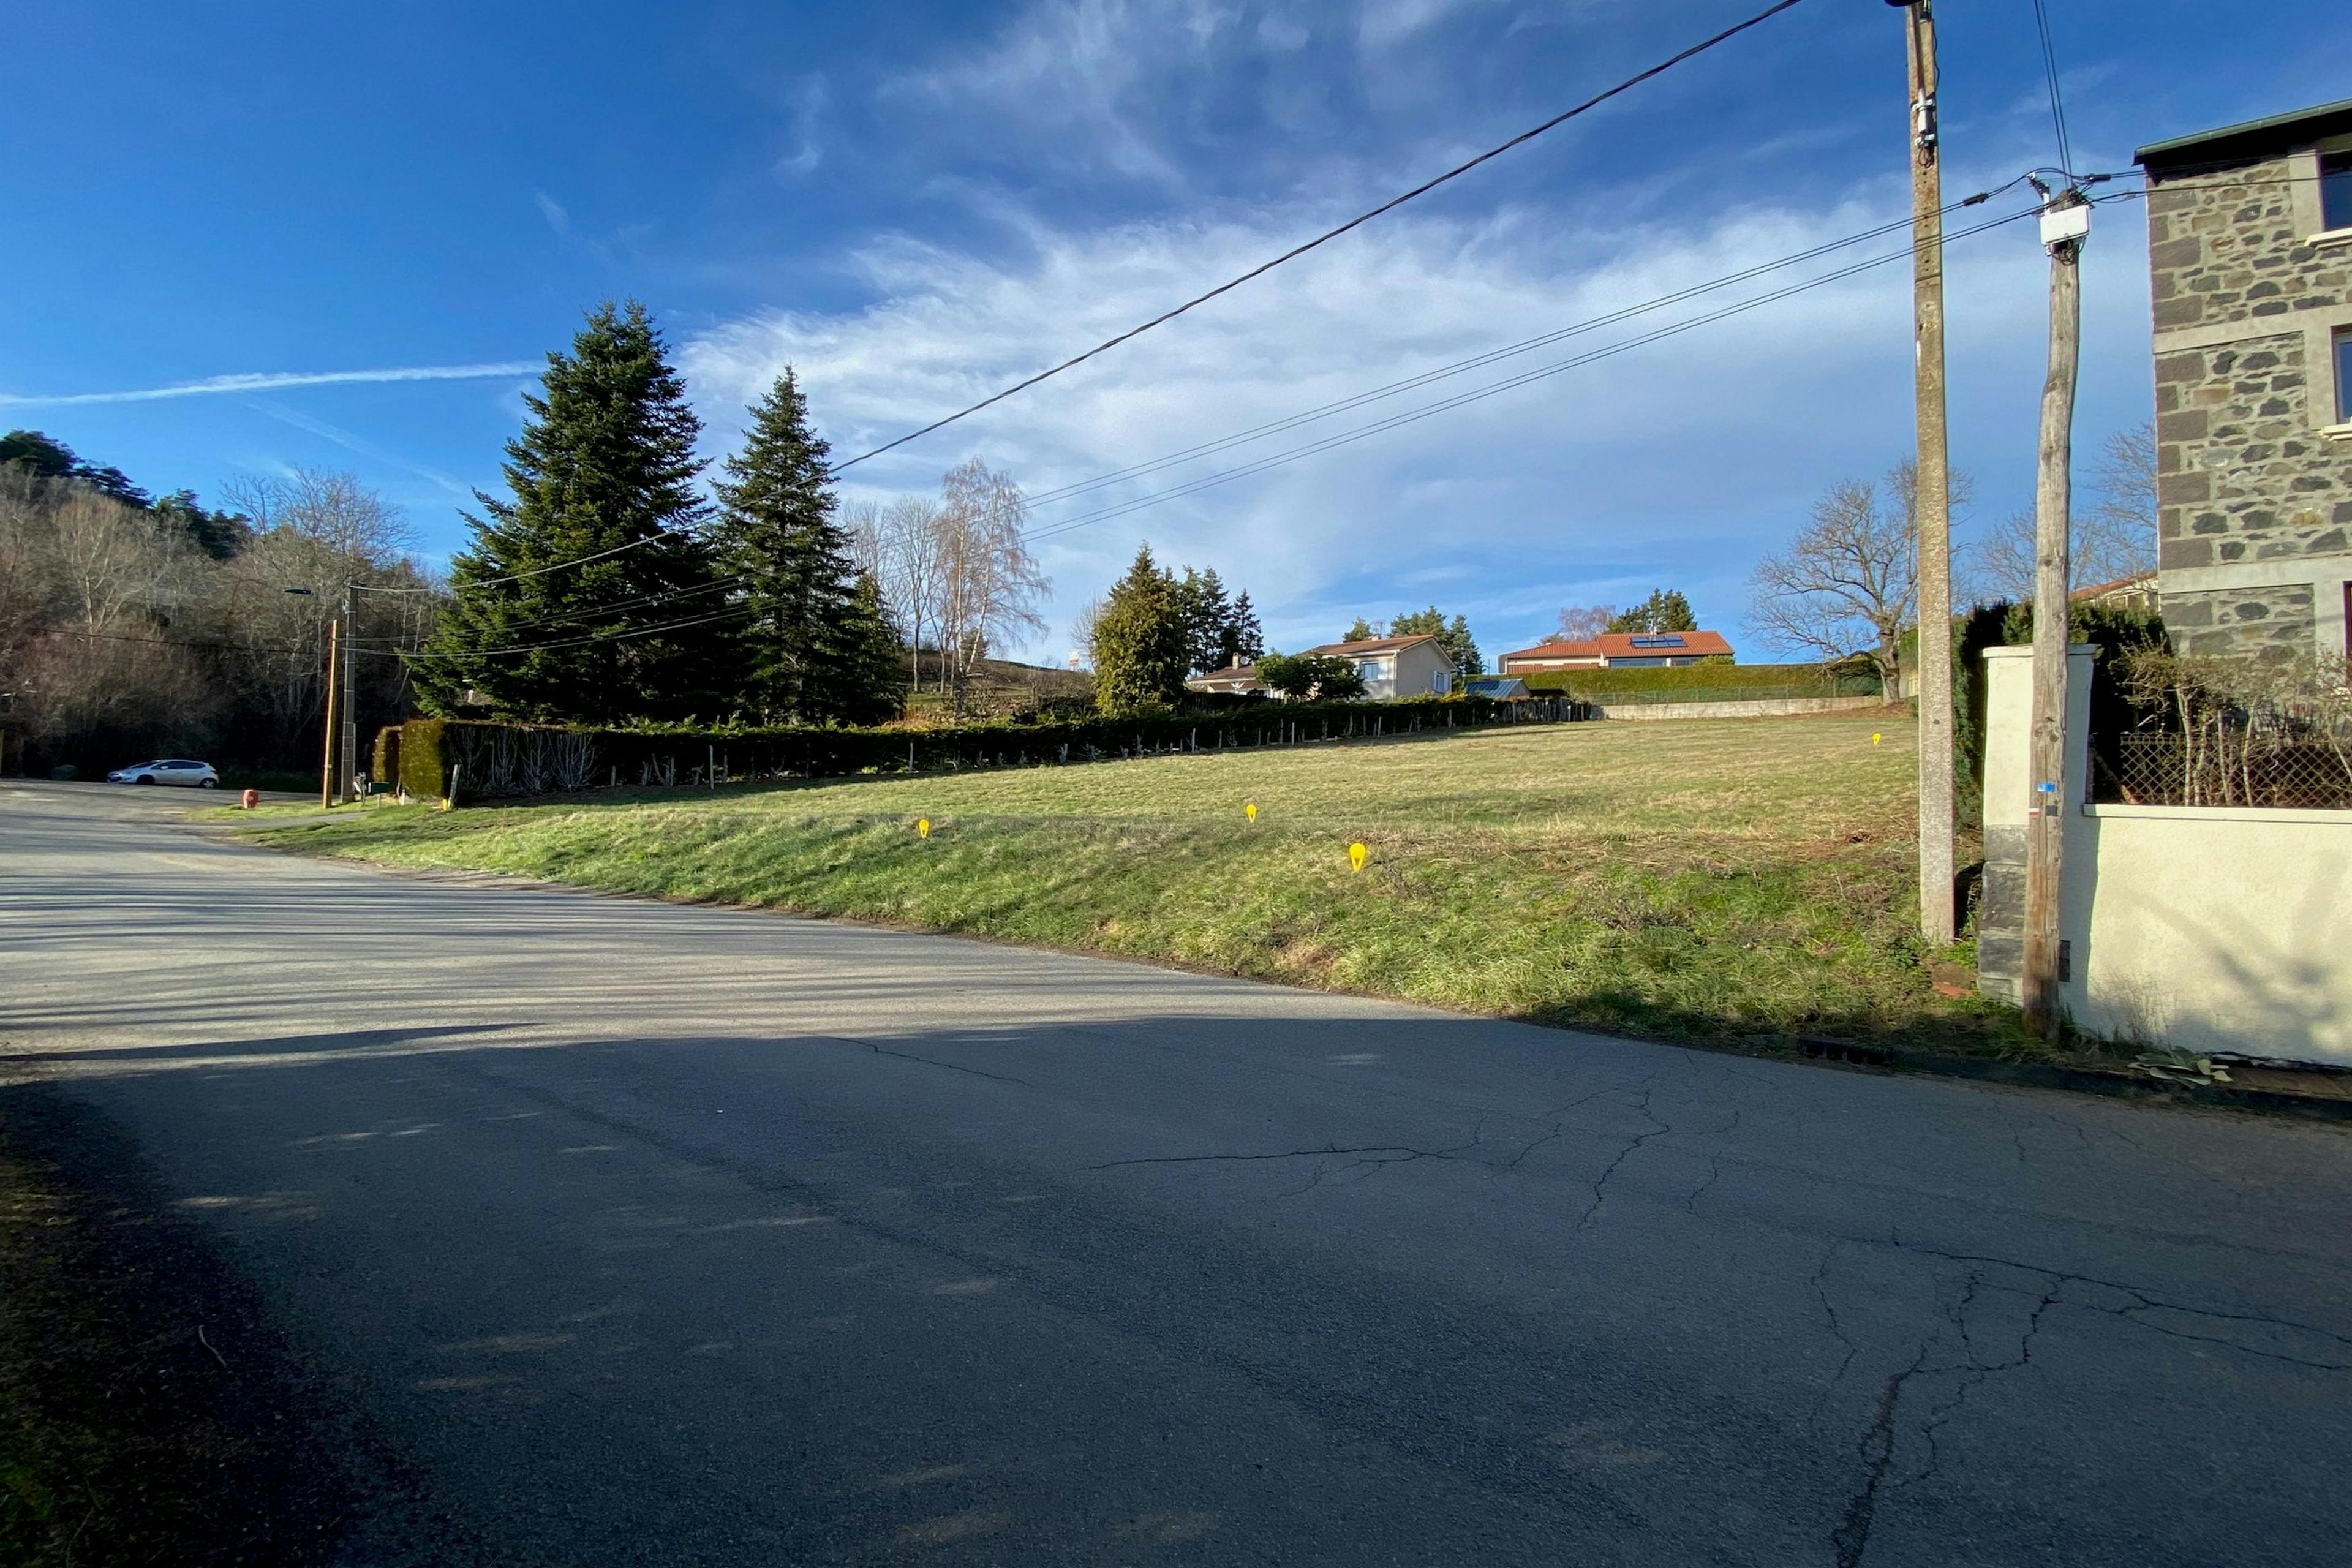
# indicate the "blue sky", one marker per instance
pixel 917 205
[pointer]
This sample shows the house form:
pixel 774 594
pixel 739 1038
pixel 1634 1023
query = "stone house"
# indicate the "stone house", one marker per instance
pixel 2250 258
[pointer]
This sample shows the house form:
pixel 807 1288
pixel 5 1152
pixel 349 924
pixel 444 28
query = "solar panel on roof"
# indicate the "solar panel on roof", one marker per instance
pixel 1674 641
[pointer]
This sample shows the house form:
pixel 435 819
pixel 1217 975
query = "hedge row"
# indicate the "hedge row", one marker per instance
pixel 1714 681
pixel 435 759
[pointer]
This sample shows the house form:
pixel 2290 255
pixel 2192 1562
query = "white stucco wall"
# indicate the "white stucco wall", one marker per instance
pixel 2201 928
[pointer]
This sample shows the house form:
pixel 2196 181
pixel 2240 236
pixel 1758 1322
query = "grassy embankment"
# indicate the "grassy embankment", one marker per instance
pixel 1730 880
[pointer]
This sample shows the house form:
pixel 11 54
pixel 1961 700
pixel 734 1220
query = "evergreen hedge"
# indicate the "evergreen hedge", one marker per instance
pixel 1715 682
pixel 480 760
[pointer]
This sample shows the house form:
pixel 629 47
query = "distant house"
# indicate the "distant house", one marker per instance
pixel 2136 592
pixel 1617 650
pixel 1397 667
pixel 1236 678
pixel 1391 666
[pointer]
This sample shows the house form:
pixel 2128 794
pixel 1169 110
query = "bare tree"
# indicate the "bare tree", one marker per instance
pixel 906 545
pixel 990 584
pixel 2111 539
pixel 1582 623
pixel 333 508
pixel 1849 583
pixel 1083 624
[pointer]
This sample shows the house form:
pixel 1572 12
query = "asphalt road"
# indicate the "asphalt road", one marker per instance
pixel 642 1233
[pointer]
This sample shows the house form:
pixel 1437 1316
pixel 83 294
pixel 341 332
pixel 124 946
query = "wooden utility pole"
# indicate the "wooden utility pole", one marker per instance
pixel 1932 500
pixel 2065 225
pixel 351 692
pixel 327 766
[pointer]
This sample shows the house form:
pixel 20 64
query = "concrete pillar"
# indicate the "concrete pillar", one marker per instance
pixel 2009 803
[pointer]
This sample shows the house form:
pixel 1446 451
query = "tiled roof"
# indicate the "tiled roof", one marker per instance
pixel 1586 648
pixel 2137 579
pixel 1370 645
pixel 1626 645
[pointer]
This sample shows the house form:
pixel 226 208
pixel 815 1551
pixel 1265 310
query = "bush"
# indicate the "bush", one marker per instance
pixel 1712 681
pixel 385 767
pixel 483 760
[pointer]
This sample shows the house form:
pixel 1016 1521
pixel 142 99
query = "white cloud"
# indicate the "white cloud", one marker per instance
pixel 271 381
pixel 1388 23
pixel 1075 79
pixel 807 101
pixel 552 211
pixel 1676 463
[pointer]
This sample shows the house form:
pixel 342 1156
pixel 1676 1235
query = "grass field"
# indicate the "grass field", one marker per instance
pixel 1738 880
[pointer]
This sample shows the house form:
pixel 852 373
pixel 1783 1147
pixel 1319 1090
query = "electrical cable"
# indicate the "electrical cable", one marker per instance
pixel 1493 389
pixel 625 636
pixel 1359 219
pixel 2057 102
pixel 539 570
pixel 1507 351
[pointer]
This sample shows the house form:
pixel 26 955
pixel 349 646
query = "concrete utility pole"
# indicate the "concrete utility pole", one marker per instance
pixel 1932 501
pixel 2065 226
pixel 350 693
pixel 327 764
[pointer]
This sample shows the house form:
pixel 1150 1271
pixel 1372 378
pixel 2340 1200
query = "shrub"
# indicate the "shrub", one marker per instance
pixel 1710 681
pixel 486 760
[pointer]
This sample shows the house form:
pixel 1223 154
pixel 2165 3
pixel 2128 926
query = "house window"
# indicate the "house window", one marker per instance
pixel 2344 375
pixel 2336 190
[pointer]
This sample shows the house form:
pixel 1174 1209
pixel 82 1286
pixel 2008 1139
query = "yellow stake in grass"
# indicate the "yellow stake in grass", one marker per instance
pixel 1250 811
pixel 1874 737
pixel 922 827
pixel 1357 856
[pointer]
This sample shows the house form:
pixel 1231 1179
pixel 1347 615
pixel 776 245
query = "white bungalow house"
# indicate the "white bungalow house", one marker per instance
pixel 1391 668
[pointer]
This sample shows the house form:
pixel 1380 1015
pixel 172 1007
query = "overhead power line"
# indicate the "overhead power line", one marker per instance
pixel 536 570
pixel 1492 389
pixel 2057 100
pixel 1507 350
pixel 623 634
pixel 1329 235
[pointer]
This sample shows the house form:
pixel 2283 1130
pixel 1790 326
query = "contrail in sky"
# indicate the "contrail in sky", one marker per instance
pixel 273 379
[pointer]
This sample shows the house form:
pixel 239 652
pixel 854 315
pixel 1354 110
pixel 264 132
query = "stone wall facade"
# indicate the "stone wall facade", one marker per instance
pixel 2253 473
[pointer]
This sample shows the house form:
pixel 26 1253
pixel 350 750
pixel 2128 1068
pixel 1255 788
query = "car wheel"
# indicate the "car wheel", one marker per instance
pixel 207 784
pixel 144 778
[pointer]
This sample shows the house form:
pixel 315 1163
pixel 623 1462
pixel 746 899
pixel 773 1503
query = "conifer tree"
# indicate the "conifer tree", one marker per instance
pixel 1245 639
pixel 1208 616
pixel 595 544
pixel 867 676
pixel 804 640
pixel 1139 640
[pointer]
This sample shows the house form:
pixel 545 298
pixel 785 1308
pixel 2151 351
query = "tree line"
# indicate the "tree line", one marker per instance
pixel 604 587
pixel 133 626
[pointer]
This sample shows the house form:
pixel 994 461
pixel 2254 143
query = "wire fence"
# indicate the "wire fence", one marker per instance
pixel 2244 767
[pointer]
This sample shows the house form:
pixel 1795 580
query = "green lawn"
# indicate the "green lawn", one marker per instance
pixel 1742 881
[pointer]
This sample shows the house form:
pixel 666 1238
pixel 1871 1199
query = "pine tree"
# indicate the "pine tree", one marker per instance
pixel 866 661
pixel 1208 616
pixel 1139 640
pixel 1454 637
pixel 1362 630
pixel 1665 610
pixel 1245 638
pixel 777 533
pixel 595 545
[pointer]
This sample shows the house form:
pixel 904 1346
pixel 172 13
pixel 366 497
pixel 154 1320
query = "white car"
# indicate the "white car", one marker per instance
pixel 194 776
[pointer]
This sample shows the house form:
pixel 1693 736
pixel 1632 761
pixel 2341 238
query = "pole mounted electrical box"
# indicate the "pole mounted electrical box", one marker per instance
pixel 2062 224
